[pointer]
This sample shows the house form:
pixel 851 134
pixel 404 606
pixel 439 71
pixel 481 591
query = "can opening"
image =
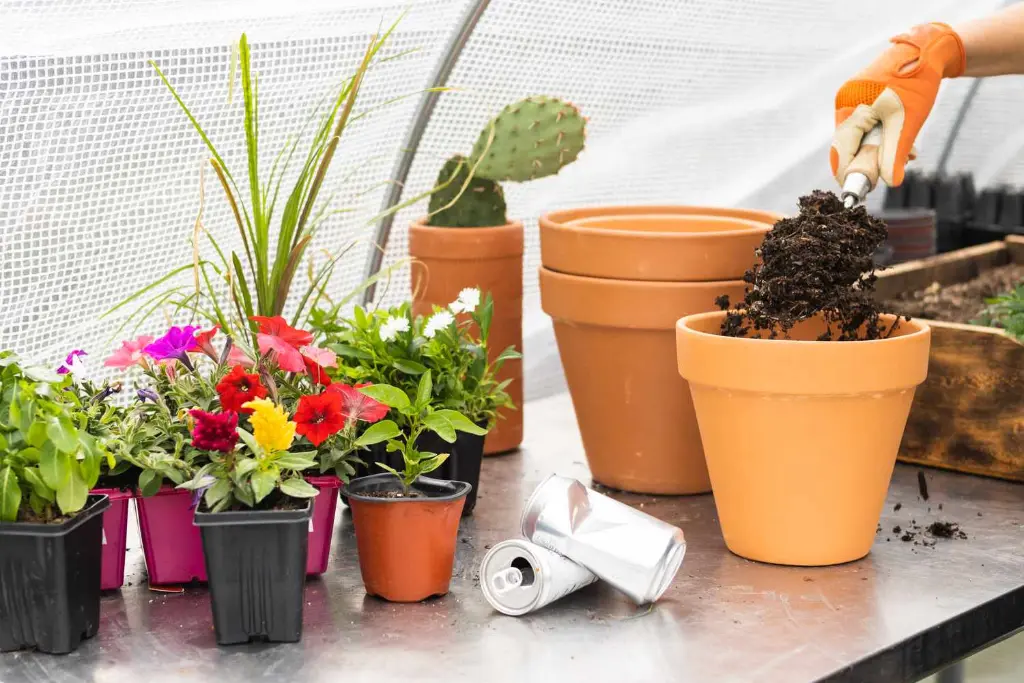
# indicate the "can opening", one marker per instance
pixel 525 567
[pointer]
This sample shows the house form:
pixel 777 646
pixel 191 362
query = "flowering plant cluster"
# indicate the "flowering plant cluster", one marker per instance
pixel 396 348
pixel 48 459
pixel 238 427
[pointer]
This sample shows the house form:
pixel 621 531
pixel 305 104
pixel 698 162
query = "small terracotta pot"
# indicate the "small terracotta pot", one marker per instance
pixel 406 545
pixel 616 339
pixel 800 435
pixel 658 243
pixel 448 260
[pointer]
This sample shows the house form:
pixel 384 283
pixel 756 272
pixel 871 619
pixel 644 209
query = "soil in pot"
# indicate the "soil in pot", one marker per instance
pixel 50 574
pixel 407 543
pixel 801 421
pixel 256 563
pixel 962 302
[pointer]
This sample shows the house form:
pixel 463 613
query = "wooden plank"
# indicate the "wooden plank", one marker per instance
pixel 955 266
pixel 968 416
pixel 1015 245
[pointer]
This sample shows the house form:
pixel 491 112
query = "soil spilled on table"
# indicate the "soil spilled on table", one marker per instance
pixel 958 303
pixel 818 263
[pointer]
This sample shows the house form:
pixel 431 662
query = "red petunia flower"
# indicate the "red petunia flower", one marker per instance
pixel 319 416
pixel 355 405
pixel 204 342
pixel 316 372
pixel 214 431
pixel 277 327
pixel 239 387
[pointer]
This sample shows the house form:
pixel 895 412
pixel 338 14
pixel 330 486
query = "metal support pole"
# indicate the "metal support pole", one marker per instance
pixel 420 120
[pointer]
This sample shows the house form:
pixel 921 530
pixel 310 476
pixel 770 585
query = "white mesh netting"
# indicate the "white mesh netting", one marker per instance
pixel 716 102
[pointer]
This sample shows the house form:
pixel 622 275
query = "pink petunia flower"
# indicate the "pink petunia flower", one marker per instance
pixel 129 354
pixel 288 358
pixel 325 358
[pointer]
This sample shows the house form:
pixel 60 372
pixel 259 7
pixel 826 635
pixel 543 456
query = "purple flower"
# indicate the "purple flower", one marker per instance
pixel 146 395
pixel 175 344
pixel 70 360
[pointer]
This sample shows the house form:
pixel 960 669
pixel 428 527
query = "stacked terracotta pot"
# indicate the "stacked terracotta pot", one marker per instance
pixel 615 280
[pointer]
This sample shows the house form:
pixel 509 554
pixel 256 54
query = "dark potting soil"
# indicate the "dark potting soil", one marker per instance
pixel 946 530
pixel 820 262
pixel 27 515
pixel 922 485
pixel 393 494
pixel 959 303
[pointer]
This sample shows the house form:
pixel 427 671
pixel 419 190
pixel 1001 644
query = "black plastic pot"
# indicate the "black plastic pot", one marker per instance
pixel 462 464
pixel 953 198
pixel 256 568
pixel 50 581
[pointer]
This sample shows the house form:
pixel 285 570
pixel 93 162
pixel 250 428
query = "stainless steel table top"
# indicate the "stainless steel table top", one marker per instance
pixel 900 613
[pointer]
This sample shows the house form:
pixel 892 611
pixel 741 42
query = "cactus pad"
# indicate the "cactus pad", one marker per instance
pixel 529 139
pixel 481 205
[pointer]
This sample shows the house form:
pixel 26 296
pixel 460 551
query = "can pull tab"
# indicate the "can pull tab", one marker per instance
pixel 507 580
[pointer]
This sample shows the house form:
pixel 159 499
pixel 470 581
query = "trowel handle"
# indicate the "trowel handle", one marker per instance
pixel 865 161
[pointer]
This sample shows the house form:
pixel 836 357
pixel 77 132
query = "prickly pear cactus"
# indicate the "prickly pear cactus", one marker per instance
pixel 529 139
pixel 481 205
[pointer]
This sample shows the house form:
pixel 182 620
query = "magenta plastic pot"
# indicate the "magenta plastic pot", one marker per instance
pixel 172 544
pixel 115 537
pixel 321 524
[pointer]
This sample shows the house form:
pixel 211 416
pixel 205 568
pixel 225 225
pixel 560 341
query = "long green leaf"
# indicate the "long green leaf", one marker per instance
pixel 10 495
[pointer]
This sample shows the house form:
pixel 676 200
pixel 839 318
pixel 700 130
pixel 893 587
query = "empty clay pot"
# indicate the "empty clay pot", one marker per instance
pixel 800 436
pixel 616 339
pixel 406 545
pixel 657 243
pixel 448 260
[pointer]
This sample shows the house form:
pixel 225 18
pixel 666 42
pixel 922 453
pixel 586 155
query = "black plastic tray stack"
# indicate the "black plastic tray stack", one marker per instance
pixel 953 199
pixel 999 212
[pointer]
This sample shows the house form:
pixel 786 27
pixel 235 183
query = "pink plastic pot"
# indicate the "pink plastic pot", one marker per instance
pixel 115 537
pixel 174 546
pixel 321 524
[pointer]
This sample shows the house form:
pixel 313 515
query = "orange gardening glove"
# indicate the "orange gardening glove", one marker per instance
pixel 898 91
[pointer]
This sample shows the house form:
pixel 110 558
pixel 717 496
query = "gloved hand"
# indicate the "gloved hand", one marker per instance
pixel 898 90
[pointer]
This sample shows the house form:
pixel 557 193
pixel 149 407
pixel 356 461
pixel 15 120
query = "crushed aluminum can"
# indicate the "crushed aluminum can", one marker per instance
pixel 633 551
pixel 517 577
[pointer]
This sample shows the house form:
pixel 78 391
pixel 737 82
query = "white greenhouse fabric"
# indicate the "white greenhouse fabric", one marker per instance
pixel 706 102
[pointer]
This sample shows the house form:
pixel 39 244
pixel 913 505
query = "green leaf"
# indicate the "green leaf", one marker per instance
pixel 296 487
pixel 43 375
pixel 393 397
pixel 73 495
pixel 215 493
pixel 39 487
pixel 409 367
pixel 249 440
pixel 55 467
pixel 440 425
pixel 508 354
pixel 244 495
pixel 295 461
pixel 10 495
pixel 425 390
pixel 245 466
pixel 262 484
pixel 390 469
pixel 349 351
pixel 36 435
pixel 378 432
pixel 63 434
pixel 427 465
pixel 462 423
pixel 149 483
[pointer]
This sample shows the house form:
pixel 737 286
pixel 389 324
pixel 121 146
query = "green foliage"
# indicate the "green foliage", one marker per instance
pixel 48 459
pixel 480 205
pixel 252 476
pixel 1006 311
pixel 530 139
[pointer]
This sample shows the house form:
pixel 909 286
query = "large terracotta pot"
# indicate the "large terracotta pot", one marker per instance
pixel 616 339
pixel 446 261
pixel 406 545
pixel 661 243
pixel 800 435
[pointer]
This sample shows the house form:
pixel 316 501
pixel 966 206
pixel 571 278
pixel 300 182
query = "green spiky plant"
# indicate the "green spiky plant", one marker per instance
pixel 259 279
pixel 530 139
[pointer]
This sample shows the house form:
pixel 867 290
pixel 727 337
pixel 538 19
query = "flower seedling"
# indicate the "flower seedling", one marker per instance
pixel 1006 311
pixel 48 460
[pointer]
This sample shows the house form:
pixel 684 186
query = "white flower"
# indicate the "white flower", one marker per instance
pixel 392 326
pixel 468 300
pixel 438 321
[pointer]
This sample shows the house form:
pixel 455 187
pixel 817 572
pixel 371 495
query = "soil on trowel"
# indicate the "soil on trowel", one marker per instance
pixel 818 263
pixel 958 303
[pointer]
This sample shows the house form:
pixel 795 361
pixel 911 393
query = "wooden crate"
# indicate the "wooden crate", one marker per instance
pixel 968 416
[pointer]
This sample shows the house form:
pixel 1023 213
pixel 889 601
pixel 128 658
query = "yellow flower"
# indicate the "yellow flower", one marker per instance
pixel 270 425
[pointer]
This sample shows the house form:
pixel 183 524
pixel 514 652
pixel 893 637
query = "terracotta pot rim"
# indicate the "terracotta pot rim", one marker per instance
pixel 922 330
pixel 420 224
pixel 461 490
pixel 582 230
pixel 547 271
